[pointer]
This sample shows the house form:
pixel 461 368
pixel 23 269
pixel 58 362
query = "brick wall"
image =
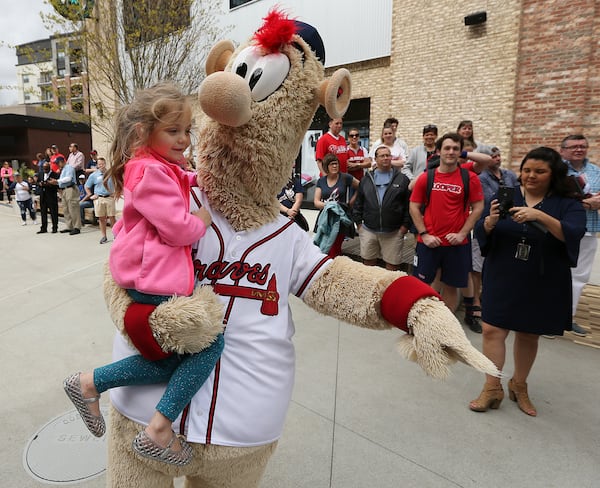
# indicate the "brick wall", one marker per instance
pixel 529 76
pixel 558 81
pixel 441 71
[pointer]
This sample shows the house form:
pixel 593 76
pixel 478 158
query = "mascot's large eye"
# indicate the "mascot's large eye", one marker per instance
pixel 264 74
pixel 245 61
pixel 268 75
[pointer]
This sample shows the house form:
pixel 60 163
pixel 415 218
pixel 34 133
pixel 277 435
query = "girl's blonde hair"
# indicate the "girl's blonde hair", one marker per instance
pixel 134 123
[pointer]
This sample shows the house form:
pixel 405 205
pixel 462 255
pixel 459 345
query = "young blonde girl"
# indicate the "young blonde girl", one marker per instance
pixel 151 258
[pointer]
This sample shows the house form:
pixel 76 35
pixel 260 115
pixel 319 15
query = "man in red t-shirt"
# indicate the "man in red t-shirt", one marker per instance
pixel 356 155
pixel 55 154
pixel 334 143
pixel 444 227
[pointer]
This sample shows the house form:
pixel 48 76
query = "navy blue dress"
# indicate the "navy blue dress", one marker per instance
pixel 532 295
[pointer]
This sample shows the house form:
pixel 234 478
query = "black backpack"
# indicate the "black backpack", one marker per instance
pixel 464 173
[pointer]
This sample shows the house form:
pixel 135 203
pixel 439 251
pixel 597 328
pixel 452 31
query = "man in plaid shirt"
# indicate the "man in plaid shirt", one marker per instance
pixel 573 150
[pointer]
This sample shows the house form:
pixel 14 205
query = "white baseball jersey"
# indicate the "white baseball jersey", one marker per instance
pixel 245 400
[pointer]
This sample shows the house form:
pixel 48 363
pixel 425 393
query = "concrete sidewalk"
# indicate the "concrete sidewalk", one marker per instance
pixel 360 417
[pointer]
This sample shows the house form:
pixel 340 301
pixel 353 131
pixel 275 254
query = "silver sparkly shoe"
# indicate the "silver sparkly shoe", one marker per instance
pixel 95 424
pixel 146 447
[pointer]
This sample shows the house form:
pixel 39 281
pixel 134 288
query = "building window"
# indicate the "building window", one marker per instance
pixel 237 3
pixel 62 97
pixel 147 20
pixel 47 95
pixel 45 77
pixel 25 79
pixel 27 97
pixel 75 60
pixel 76 91
pixel 77 107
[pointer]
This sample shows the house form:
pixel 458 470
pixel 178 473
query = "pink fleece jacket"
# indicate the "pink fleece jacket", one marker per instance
pixel 152 248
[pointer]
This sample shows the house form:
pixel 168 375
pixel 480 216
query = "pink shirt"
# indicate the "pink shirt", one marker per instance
pixel 152 248
pixel 6 173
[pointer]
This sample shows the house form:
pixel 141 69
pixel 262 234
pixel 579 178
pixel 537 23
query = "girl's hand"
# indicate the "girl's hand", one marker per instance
pixel 203 215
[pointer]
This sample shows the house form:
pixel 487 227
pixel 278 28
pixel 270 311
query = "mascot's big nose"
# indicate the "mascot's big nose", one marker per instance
pixel 225 97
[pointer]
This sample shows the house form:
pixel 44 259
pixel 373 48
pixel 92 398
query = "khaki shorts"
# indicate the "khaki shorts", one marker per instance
pixel 104 207
pixel 476 256
pixel 388 245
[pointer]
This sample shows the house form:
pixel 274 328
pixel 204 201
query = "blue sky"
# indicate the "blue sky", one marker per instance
pixel 20 22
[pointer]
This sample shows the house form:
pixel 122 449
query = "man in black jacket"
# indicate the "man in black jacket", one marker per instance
pixel 381 212
pixel 48 191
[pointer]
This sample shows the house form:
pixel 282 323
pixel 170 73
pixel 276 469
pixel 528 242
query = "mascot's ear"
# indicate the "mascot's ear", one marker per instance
pixel 335 93
pixel 219 56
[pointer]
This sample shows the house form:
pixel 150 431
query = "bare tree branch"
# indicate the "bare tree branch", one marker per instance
pixel 132 45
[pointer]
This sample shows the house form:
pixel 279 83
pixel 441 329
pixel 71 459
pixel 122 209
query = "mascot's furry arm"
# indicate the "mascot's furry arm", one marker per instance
pixel 375 298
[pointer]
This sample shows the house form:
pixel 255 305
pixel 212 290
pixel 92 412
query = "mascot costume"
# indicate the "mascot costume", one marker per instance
pixel 258 101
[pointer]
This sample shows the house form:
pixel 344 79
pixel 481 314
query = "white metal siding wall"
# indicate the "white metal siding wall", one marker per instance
pixel 352 30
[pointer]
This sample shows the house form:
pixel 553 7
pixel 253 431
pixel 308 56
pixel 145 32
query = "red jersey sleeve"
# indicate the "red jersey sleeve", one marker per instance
pixel 419 190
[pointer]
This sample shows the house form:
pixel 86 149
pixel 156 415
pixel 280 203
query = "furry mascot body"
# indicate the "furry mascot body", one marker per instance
pixel 259 101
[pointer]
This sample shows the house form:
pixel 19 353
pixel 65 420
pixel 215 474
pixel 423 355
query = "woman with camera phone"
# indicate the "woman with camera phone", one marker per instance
pixel 526 273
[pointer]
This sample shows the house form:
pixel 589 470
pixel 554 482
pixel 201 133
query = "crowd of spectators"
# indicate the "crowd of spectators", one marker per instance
pixel 452 181
pixel 475 230
pixel 71 183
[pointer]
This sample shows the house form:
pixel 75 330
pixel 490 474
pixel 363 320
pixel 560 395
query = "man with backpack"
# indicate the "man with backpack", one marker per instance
pixel 445 204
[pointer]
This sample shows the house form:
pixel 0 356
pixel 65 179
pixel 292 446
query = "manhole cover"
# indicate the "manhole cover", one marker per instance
pixel 63 451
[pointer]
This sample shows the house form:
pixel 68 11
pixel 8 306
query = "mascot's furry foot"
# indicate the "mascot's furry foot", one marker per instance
pixel 438 340
pixel 181 324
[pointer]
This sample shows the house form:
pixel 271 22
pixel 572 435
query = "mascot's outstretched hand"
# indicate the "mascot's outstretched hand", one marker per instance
pixel 438 340
pixel 181 324
pixel 435 337
pixel 376 298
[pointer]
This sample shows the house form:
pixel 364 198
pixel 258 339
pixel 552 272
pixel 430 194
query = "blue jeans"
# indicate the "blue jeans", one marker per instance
pixel 83 206
pixel 24 207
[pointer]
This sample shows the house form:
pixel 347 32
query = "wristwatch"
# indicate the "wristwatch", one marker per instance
pixel 423 233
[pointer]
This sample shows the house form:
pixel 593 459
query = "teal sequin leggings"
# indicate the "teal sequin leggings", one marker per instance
pixel 184 374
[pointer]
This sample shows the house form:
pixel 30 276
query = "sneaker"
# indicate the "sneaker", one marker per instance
pixel 578 330
pixel 24 223
pixel 548 336
pixel 35 222
pixel 104 240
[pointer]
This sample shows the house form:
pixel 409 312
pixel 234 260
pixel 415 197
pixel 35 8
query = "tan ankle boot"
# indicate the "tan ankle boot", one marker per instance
pixel 490 397
pixel 518 393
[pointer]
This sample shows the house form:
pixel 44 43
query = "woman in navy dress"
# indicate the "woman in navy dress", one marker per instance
pixel 526 273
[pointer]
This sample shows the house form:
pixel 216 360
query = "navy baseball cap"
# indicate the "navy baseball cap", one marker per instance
pixel 312 38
